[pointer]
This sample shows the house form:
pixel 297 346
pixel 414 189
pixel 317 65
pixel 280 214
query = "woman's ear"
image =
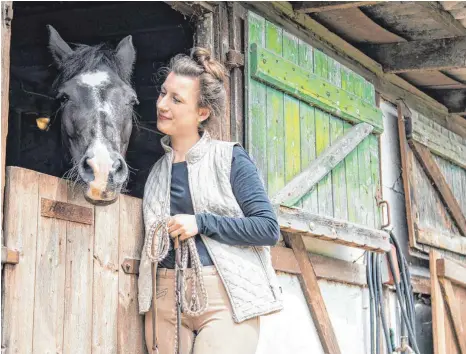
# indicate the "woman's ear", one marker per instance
pixel 204 113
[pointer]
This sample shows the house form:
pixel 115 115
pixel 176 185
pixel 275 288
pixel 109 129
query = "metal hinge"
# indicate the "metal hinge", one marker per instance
pixel 130 265
pixel 235 59
pixel 9 256
pixel 7 14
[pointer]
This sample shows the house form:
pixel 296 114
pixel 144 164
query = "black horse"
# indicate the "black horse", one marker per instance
pixel 96 104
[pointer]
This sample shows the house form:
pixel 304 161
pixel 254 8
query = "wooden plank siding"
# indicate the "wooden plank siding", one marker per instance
pixel 68 294
pixel 287 132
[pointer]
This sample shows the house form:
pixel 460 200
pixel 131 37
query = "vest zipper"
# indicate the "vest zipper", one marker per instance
pixel 265 273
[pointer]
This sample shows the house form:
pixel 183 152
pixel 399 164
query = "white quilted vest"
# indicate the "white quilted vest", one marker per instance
pixel 246 272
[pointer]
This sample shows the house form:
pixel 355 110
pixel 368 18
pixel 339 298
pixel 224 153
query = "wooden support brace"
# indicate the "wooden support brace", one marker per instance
pixel 311 290
pixel 66 211
pixel 435 175
pixel 452 271
pixel 322 166
pixel 321 6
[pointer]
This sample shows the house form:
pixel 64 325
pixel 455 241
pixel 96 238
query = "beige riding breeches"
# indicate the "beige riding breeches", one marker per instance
pixel 213 332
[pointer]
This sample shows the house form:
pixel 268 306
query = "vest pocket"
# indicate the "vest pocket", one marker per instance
pixel 264 269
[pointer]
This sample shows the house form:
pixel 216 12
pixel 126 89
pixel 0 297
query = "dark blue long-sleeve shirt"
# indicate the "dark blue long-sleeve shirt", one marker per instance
pixel 259 227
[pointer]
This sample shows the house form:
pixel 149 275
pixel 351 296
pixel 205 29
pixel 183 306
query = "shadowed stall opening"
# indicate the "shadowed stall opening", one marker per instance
pixel 158 32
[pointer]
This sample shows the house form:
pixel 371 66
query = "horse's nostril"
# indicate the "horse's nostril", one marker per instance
pixel 87 172
pixel 118 165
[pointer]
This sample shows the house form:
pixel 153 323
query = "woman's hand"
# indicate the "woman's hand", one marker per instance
pixel 182 225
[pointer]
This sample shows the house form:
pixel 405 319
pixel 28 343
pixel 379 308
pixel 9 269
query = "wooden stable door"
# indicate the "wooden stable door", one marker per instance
pixel 448 287
pixel 68 293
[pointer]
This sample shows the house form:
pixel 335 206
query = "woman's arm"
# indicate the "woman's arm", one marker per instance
pixel 259 227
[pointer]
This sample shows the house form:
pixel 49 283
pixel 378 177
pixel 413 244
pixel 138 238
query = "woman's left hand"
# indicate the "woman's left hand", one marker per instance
pixel 182 225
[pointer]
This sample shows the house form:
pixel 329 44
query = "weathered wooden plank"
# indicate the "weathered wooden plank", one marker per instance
pixel 310 287
pixel 78 284
pixel 50 271
pixel 337 270
pixel 326 161
pixel 66 211
pixel 429 54
pixel 284 260
pixel 294 220
pixel 130 323
pixel 291 115
pixel 292 138
pixel 7 16
pixel 455 313
pixel 311 88
pixel 340 201
pixel 334 72
pixel 275 143
pixel 435 175
pixel 20 232
pixel 321 6
pixel 105 281
pixel 444 18
pixel 320 64
pixel 374 152
pixel 429 134
pixel 273 38
pixel 452 271
pixel 441 239
pixel 365 184
pixel 438 309
pixel 308 152
pixel 306 56
pixel 257 140
pixel 352 183
pixel 324 185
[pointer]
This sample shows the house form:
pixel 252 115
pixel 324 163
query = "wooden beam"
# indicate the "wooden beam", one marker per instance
pixel 323 165
pixel 454 99
pixel 299 221
pixel 455 313
pixel 311 290
pixel 445 144
pixel 438 308
pixel 451 270
pixel 320 6
pixel 421 285
pixel 66 211
pixel 444 18
pixel 435 175
pixel 284 260
pixel 405 168
pixel 434 54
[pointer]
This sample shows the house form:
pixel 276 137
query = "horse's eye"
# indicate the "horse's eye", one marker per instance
pixel 63 98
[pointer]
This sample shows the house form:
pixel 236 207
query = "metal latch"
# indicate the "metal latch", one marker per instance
pixel 130 265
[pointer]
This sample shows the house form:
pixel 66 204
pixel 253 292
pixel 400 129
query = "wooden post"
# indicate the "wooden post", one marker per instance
pixel 438 309
pixel 311 290
pixel 7 16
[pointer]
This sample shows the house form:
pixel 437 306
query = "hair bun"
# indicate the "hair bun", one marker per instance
pixel 202 57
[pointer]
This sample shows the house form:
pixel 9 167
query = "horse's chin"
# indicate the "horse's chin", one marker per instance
pixel 100 198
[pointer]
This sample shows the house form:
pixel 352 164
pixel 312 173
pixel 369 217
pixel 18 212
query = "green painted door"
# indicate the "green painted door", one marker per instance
pixel 299 101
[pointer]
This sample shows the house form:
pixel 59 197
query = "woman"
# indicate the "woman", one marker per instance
pixel 207 194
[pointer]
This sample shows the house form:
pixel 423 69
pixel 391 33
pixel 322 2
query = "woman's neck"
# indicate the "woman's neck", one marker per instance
pixel 182 144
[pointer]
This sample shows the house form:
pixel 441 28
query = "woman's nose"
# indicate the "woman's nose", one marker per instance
pixel 161 106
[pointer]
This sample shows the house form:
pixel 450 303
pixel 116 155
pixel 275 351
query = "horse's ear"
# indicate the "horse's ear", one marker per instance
pixel 126 55
pixel 59 48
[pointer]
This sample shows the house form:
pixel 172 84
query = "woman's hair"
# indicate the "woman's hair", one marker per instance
pixel 211 74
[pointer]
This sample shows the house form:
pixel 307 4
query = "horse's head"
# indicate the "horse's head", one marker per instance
pixel 97 101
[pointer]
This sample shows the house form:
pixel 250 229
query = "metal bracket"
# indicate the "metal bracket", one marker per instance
pixel 388 223
pixel 130 265
pixel 9 256
pixel 235 59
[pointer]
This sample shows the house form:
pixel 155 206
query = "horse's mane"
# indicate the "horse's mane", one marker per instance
pixel 88 58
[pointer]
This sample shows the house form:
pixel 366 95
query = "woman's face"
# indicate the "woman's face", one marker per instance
pixel 178 113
